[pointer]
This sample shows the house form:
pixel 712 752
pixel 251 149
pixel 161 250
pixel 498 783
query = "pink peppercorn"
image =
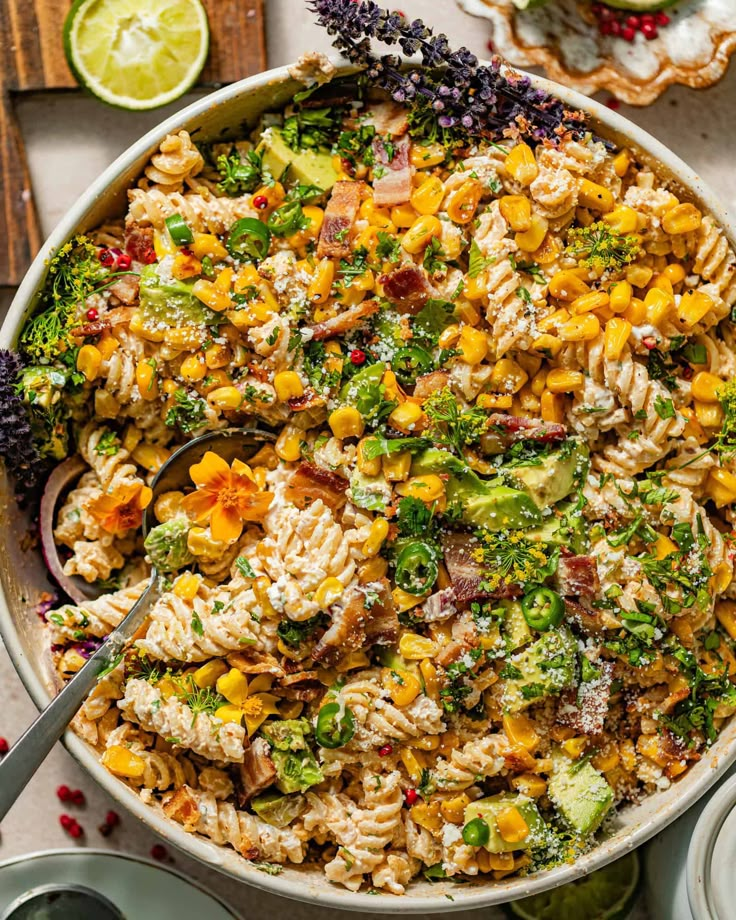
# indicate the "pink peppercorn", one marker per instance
pixel 357 356
pixel 385 750
pixel 411 796
pixel 92 314
pixel 159 852
pixel 106 258
pixel 124 262
pixel 78 797
pixel 4 746
pixel 662 19
pixel 64 793
pixel 260 202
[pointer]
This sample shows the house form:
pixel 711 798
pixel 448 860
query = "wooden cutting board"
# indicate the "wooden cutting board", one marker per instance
pixel 32 59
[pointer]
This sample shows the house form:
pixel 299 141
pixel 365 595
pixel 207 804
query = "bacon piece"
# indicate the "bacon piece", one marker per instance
pixel 430 383
pixel 310 399
pixel 311 482
pixel 126 289
pixel 394 187
pixel 181 806
pixel 439 606
pixel 591 622
pixel 256 773
pixel 407 287
pixel 466 574
pixel 89 329
pixel 388 118
pixel 366 616
pixel 120 315
pixel 464 638
pixel 577 576
pixel 139 244
pixel 340 214
pixel 343 322
pixel 584 708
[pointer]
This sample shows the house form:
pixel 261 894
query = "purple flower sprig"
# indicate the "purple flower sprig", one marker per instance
pixel 453 95
pixel 17 449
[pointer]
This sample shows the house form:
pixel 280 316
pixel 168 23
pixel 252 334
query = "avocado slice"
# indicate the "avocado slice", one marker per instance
pixel 564 527
pixel 370 492
pixel 483 503
pixel 296 766
pixel 516 630
pixel 171 302
pixel 542 669
pixel 489 809
pixel 553 477
pixel 579 793
pixel 310 167
pixel 278 810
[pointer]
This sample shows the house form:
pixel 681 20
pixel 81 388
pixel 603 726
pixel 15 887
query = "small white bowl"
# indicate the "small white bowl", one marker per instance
pixel 23 575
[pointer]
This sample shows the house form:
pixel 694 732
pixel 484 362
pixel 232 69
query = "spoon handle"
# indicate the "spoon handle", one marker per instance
pixel 32 748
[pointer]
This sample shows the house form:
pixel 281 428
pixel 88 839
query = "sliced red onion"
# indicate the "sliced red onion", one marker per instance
pixel 65 475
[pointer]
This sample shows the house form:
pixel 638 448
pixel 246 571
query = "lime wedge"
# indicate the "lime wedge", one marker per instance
pixel 605 895
pixel 641 6
pixel 136 54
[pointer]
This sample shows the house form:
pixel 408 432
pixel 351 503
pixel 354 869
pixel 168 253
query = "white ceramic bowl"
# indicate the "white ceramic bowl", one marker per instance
pixel 23 576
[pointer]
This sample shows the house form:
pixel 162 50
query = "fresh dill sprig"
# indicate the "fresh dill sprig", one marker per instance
pixel 451 425
pixel 726 439
pixel 601 247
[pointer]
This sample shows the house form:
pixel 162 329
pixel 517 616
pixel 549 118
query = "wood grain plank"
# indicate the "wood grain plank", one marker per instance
pixel 32 59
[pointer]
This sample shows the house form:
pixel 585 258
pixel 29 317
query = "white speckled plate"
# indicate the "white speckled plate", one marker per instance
pixel 563 38
pixel 138 888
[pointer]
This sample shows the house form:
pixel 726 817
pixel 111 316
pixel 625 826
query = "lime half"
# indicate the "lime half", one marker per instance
pixel 136 54
pixel 605 895
pixel 641 6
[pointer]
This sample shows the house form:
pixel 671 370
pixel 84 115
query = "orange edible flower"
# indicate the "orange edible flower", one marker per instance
pixel 225 497
pixel 121 509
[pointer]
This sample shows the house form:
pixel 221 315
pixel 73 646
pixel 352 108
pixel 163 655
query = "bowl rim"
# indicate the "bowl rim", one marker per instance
pixel 444 897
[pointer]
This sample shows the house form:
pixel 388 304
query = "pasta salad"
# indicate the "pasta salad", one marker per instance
pixel 475 593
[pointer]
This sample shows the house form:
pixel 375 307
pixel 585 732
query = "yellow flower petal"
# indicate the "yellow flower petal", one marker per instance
pixel 225 523
pixel 211 472
pixel 198 505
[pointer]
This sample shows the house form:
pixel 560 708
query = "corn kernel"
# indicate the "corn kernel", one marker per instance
pixel 207 293
pixel 225 398
pixel 508 376
pixel 288 445
pixel 427 198
pixel 721 487
pixel 639 275
pixel 621 163
pixel 693 307
pixel 167 506
pixel 420 233
pixel 516 211
pixel 582 328
pixel 636 312
pixel 622 219
pixel 511 825
pixel 404 601
pixel 594 300
pixel 560 380
pixel 377 217
pixel 705 387
pixel 467 312
pixel 376 537
pixel 431 679
pixel 495 401
pixel 407 418
pixel 683 218
pixel 595 197
pixel 403 686
pixel 210 673
pixel 372 570
pixel 315 217
pixel 529 784
pixel 428 488
pixel 710 415
pixel 288 386
pixel 423 156
pixel 414 647
pixel 321 284
pixel 453 810
pixel 187 338
pixel 552 407
pixel 520 730
pixel 193 368
pixel 151 456
pixel 186 586
pixel 549 345
pixel 328 592
pixel 463 203
pixel 217 355
pixel 89 360
pixel 274 194
pixel 616 336
pixel 449 336
pixel 122 762
pixel 567 285
pixel 403 216
pixel 368 467
pixel 606 760
pixel 207 244
pixel 145 377
pixel 521 165
pixel 346 422
pixel 675 273
pixel 260 589
pixel 619 296
pixel 659 305
pixel 472 345
pixel 396 466
pixel 574 747
pixel 726 616
pixel 531 239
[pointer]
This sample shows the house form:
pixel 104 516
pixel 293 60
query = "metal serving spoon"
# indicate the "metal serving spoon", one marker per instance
pixel 32 748
pixel 62 902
